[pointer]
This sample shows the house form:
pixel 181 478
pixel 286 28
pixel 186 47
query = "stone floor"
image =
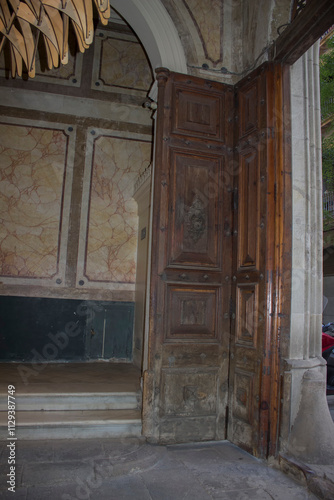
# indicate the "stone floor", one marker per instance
pixel 131 469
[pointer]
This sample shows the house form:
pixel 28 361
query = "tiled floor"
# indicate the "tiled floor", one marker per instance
pixel 131 469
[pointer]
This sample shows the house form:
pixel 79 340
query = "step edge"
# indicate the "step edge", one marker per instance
pixel 72 394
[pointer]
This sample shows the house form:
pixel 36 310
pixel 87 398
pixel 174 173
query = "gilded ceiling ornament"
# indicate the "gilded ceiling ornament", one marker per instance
pixel 22 23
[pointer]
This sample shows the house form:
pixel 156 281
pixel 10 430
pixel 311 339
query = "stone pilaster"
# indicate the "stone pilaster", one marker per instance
pixel 306 419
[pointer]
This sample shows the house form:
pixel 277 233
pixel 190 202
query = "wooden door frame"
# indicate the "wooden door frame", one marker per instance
pixel 274 147
pixel 279 252
pixel 304 30
pixel 174 139
pixel 278 282
pixel 295 40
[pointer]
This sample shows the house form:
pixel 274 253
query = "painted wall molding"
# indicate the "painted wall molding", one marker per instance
pixel 108 226
pixel 36 186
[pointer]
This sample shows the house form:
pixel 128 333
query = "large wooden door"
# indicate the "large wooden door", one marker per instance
pixel 186 385
pixel 213 351
pixel 261 265
pixel 253 259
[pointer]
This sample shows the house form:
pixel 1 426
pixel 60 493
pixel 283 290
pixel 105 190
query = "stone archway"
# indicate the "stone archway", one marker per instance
pixel 156 30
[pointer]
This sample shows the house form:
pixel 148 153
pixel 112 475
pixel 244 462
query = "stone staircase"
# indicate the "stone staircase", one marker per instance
pixel 72 400
pixel 73 416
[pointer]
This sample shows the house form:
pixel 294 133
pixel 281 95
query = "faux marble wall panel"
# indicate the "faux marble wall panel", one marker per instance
pixel 208 18
pixel 68 74
pixel 34 164
pixel 108 234
pixel 120 64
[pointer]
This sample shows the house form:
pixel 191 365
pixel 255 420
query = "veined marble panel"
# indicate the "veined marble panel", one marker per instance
pixel 36 160
pixel 66 74
pixel 208 19
pixel 108 230
pixel 120 64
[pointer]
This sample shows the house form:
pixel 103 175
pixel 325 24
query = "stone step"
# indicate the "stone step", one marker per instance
pixel 74 401
pixel 73 424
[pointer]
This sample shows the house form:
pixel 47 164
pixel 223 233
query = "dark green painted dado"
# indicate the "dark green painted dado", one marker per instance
pixel 110 330
pixel 40 329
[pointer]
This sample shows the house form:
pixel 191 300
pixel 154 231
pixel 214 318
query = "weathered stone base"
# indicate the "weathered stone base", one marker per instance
pixel 314 477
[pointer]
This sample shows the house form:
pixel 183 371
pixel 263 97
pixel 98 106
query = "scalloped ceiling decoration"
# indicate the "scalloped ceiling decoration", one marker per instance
pixel 22 23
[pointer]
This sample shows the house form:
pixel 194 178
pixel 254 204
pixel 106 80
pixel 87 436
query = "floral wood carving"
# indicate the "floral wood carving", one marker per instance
pixel 195 220
pixel 22 23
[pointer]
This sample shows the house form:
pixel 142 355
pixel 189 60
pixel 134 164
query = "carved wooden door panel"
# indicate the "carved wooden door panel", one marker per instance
pixel 186 384
pixel 216 285
pixel 253 261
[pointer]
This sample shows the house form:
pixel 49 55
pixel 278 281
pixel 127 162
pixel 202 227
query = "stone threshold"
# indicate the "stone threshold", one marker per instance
pixel 313 476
